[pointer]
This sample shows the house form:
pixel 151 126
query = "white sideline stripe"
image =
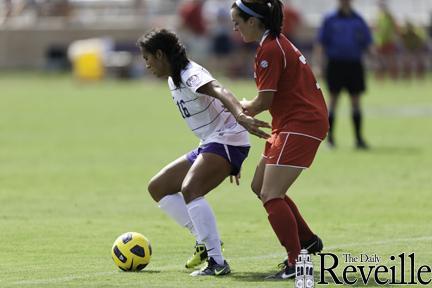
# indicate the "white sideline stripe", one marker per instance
pixel 283 147
pixel 174 267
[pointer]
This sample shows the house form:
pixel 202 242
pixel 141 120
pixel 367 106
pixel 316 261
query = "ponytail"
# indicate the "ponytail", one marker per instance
pixel 275 21
pixel 270 12
pixel 170 45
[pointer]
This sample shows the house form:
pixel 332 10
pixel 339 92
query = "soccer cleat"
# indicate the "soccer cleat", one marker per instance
pixel 314 245
pixel 199 256
pixel 361 145
pixel 286 272
pixel 213 269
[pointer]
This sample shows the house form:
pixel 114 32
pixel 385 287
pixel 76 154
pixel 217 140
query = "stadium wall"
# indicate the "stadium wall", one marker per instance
pixel 26 48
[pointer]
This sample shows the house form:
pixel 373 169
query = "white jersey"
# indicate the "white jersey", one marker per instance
pixel 205 115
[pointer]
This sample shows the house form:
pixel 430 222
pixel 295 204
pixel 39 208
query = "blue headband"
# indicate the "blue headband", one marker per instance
pixel 247 10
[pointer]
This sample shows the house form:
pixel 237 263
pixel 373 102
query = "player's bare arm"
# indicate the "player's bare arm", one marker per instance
pixel 260 103
pixel 216 90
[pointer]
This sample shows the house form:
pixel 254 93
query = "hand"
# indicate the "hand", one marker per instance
pixel 252 125
pixel 236 177
pixel 247 107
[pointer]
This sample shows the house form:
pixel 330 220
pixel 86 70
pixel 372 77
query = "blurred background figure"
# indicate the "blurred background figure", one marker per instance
pixel 386 37
pixel 6 9
pixel 414 41
pixel 344 36
pixel 218 23
pixel 291 22
pixel 192 28
pixel 19 11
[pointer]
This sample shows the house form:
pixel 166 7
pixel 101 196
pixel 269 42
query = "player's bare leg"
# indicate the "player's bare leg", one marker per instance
pixel 258 177
pixel 164 188
pixel 207 172
pixel 169 179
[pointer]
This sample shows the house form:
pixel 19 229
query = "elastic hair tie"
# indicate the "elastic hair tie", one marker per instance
pixel 247 10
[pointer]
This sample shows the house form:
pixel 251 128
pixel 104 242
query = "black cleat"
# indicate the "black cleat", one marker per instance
pixel 361 145
pixel 213 269
pixel 286 272
pixel 313 246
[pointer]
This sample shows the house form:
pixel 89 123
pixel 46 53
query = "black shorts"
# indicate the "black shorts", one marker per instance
pixel 347 75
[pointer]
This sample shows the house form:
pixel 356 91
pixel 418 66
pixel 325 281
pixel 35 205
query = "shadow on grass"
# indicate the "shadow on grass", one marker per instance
pixel 260 277
pixel 252 276
pixel 149 271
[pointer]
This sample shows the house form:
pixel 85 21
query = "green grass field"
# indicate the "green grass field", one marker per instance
pixel 75 160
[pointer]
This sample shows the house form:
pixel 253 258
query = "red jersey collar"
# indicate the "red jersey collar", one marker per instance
pixel 266 33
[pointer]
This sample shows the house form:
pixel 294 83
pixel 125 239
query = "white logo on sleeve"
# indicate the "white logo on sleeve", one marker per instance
pixel 193 80
pixel 264 64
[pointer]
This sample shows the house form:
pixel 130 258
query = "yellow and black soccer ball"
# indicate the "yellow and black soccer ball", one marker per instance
pixel 131 251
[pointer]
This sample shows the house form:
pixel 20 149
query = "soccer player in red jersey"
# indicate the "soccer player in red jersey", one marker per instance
pixel 289 90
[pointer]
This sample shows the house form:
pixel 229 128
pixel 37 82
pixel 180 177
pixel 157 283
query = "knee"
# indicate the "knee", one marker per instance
pixel 155 189
pixel 264 197
pixel 189 192
pixel 256 189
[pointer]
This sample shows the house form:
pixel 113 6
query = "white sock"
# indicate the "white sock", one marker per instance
pixel 204 222
pixel 175 207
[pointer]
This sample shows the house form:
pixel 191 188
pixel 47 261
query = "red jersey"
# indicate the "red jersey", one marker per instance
pixel 298 103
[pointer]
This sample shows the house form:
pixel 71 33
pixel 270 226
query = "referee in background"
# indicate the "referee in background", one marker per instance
pixel 344 36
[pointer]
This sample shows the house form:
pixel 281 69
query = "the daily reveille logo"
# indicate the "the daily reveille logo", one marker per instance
pixel 364 269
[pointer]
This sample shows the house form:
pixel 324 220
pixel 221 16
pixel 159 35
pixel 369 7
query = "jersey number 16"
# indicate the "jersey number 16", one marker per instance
pixel 183 110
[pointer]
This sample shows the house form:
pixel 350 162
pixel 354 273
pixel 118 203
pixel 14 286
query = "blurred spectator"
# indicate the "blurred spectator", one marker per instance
pixel 23 10
pixel 430 24
pixel 58 8
pixel 291 21
pixel 344 36
pixel 140 7
pixel 193 28
pixel 6 10
pixel 386 36
pixel 414 43
pixel 218 21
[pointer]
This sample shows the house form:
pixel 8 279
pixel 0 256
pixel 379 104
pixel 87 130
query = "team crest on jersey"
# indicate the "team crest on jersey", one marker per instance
pixel 264 64
pixel 193 80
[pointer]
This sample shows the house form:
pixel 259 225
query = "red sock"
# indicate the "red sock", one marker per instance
pixel 304 231
pixel 284 225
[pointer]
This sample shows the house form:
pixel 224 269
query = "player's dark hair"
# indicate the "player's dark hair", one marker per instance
pixel 270 10
pixel 169 44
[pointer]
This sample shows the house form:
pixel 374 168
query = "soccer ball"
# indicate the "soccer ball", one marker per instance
pixel 131 251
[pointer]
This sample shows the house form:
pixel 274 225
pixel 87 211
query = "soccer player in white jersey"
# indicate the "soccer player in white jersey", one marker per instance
pixel 217 119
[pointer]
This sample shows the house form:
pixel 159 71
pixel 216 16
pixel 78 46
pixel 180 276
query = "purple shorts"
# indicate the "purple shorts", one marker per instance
pixel 235 155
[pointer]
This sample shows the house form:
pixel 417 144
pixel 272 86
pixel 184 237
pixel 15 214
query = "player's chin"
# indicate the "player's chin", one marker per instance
pixel 246 40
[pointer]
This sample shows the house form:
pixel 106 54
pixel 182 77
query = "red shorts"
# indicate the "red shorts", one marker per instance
pixel 291 149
